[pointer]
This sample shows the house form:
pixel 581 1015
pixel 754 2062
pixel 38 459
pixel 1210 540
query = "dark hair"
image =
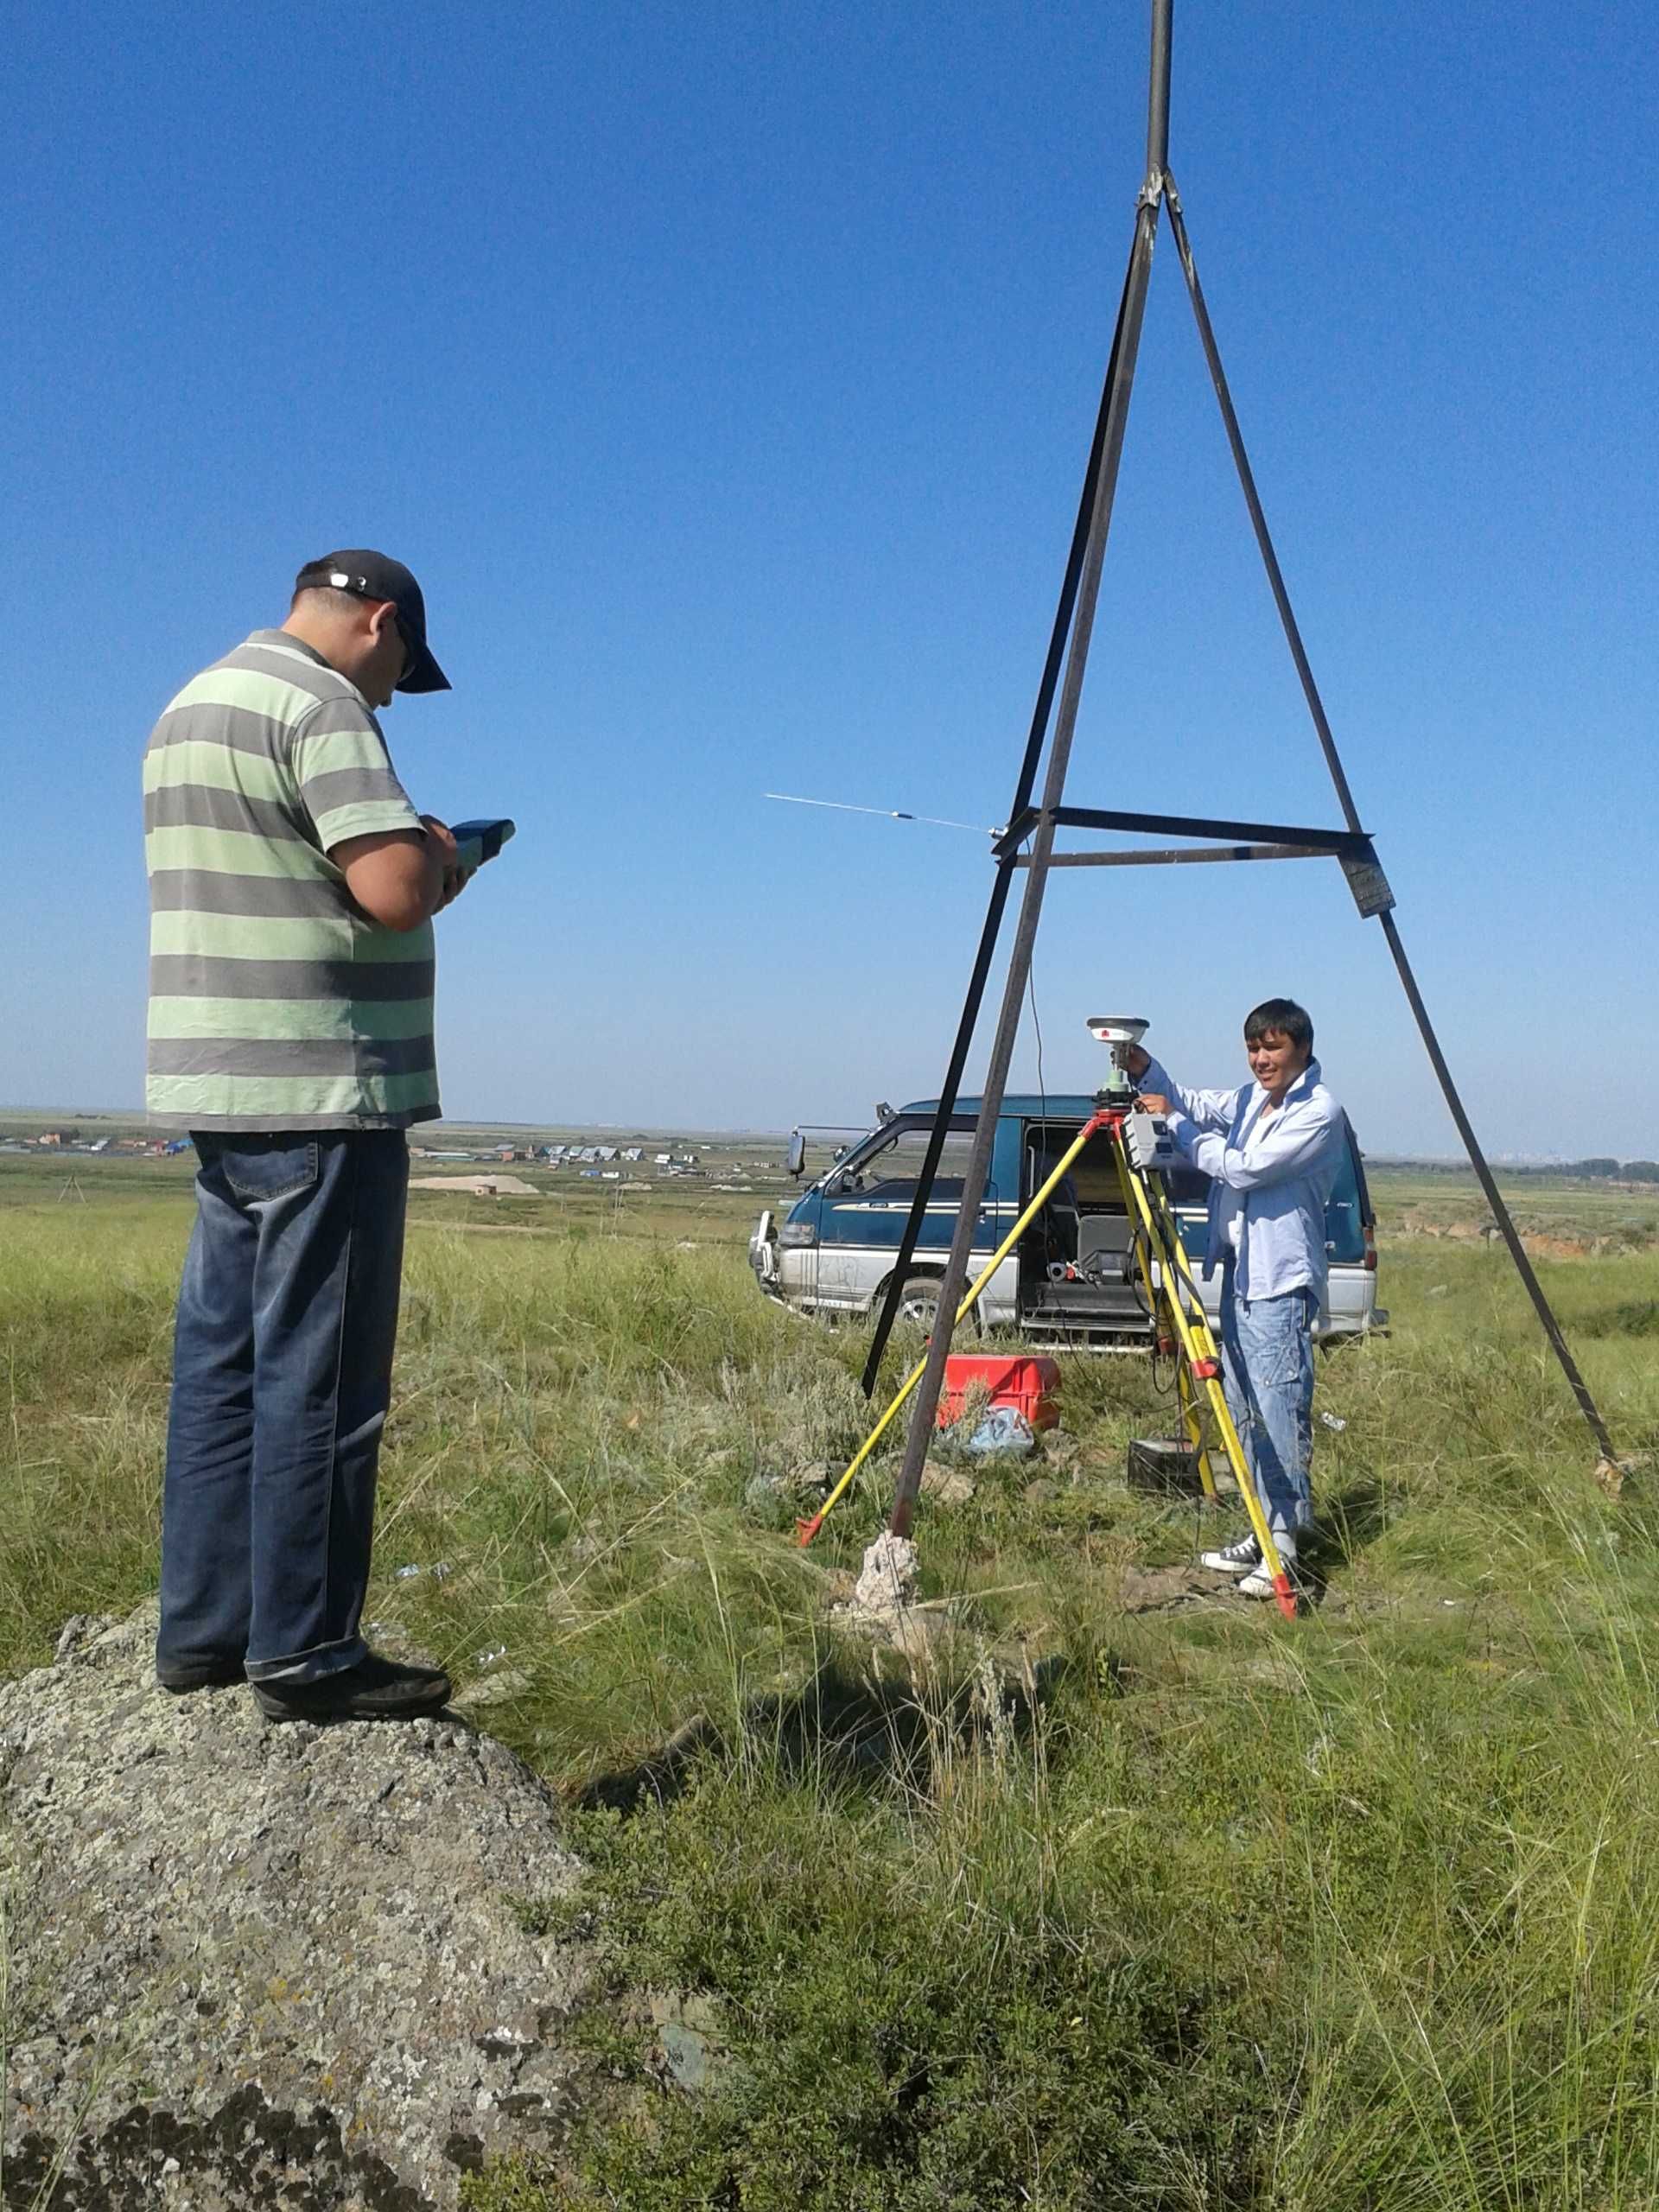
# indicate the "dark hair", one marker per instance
pixel 1281 1014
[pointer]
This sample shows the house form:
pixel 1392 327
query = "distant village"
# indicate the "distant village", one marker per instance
pixel 606 1163
pixel 70 1139
pixel 591 1159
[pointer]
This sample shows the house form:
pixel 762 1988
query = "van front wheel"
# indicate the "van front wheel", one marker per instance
pixel 918 1304
pixel 918 1301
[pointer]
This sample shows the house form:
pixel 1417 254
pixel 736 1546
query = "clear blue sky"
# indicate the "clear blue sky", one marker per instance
pixel 726 374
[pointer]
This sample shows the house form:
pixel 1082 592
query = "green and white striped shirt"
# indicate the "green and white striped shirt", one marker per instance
pixel 275 1004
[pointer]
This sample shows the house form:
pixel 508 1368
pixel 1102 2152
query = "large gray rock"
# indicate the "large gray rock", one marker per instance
pixel 259 1965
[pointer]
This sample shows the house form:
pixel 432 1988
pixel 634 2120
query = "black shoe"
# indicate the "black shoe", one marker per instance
pixel 1242 1558
pixel 375 1689
pixel 200 1674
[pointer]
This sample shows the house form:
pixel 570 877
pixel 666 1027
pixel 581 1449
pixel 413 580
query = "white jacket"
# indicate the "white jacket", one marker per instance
pixel 1275 1171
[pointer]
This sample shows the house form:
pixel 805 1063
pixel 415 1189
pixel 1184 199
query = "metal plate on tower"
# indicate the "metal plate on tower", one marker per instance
pixel 1368 883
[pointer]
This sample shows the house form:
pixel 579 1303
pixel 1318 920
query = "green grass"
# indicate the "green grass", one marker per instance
pixel 1189 1908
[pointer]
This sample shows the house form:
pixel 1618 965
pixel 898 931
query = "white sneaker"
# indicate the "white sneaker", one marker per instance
pixel 1259 1582
pixel 1240 1558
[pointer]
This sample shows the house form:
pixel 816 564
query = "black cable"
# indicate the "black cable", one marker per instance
pixel 1047 1225
pixel 1036 1022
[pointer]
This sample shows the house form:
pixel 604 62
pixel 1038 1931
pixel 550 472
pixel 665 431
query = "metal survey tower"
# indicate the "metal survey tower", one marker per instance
pixel 1026 846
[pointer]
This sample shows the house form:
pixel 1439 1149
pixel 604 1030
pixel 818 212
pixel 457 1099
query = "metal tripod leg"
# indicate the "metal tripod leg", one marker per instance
pixel 1199 1352
pixel 1131 315
pixel 1517 1251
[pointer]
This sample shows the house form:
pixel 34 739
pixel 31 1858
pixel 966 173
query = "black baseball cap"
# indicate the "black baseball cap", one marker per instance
pixel 367 574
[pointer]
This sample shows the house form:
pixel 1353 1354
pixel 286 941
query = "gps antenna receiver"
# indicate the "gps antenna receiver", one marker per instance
pixel 1120 1031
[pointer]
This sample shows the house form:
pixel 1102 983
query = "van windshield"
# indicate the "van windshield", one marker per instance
pixel 885 1166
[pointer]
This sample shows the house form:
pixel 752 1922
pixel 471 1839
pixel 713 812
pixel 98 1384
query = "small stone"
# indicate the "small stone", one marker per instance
pixel 79 1630
pixel 946 1485
pixel 499 1686
pixel 686 2053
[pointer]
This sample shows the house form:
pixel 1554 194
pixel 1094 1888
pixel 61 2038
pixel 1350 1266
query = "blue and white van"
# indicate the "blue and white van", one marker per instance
pixel 834 1251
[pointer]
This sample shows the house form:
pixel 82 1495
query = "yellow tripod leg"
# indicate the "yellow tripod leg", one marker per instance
pixel 1194 1429
pixel 1203 1361
pixel 1158 1302
pixel 806 1530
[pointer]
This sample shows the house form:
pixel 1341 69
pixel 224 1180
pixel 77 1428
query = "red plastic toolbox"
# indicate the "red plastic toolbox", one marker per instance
pixel 1029 1384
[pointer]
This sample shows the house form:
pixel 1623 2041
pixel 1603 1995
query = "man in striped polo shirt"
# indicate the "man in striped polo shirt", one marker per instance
pixel 292 891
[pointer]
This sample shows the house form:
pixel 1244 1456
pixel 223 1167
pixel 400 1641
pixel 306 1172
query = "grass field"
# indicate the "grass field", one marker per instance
pixel 1127 1896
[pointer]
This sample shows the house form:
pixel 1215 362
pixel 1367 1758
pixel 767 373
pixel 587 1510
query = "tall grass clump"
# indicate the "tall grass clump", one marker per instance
pixel 85 1325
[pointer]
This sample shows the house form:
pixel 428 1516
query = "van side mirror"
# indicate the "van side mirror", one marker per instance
pixel 795 1158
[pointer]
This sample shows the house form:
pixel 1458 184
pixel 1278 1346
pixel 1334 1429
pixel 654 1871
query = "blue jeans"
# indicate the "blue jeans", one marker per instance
pixel 282 1376
pixel 1267 1368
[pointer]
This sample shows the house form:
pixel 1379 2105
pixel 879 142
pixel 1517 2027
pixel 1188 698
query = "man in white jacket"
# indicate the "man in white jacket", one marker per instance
pixel 1271 1150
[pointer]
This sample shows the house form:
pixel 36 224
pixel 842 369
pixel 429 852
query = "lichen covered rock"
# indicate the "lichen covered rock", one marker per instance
pixel 254 1965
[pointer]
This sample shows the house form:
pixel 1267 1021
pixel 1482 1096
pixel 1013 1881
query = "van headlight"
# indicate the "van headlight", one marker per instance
pixel 796 1234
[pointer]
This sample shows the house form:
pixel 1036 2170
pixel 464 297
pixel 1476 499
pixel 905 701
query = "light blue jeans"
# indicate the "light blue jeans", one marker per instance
pixel 1267 1368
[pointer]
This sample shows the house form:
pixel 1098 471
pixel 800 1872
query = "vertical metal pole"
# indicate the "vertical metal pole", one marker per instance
pixel 1501 1214
pixel 1004 879
pixel 1157 98
pixel 924 1407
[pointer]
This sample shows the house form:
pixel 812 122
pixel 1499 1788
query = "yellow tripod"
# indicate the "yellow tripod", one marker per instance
pixel 807 1529
pixel 1179 1323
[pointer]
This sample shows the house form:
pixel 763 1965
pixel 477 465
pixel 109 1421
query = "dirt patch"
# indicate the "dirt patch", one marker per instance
pixel 486 1228
pixel 477 1186
pixel 1157 1589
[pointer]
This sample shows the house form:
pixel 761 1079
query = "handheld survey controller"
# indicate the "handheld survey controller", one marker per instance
pixel 478 842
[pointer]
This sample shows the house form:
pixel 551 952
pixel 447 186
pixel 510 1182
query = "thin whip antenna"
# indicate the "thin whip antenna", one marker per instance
pixel 888 813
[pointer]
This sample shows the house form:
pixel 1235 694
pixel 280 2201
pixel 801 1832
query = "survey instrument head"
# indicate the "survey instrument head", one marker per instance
pixel 1120 1031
